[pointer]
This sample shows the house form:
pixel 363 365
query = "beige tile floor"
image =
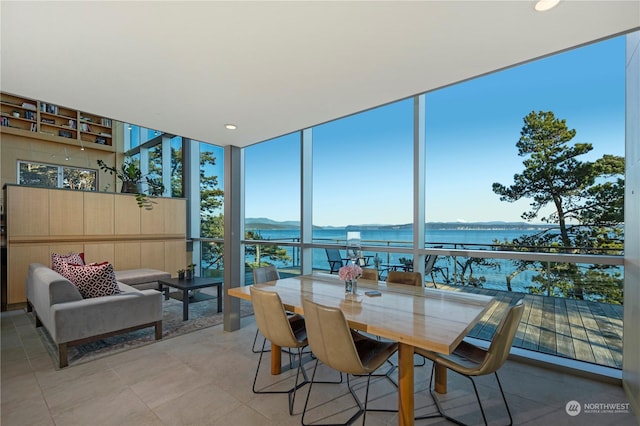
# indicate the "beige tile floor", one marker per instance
pixel 204 378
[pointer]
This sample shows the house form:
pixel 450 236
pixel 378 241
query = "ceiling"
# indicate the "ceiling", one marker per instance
pixel 271 68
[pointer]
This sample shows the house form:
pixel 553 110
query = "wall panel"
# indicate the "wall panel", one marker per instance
pixel 66 213
pixel 99 217
pixel 105 226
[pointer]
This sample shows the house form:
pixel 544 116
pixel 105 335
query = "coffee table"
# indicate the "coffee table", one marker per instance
pixel 192 284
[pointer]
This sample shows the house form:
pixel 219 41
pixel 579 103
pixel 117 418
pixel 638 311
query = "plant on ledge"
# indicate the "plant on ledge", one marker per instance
pixel 132 179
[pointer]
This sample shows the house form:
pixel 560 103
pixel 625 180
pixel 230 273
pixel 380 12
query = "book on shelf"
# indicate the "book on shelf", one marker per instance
pixel 4 121
pixel 64 133
pixel 28 105
pixel 33 127
pixel 48 120
pixel 85 127
pixel 49 108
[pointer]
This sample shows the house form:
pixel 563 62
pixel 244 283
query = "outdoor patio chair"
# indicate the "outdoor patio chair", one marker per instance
pixel 470 360
pixel 430 268
pixel 335 259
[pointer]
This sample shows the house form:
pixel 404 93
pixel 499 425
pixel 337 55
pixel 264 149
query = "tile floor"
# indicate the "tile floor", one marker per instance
pixel 204 378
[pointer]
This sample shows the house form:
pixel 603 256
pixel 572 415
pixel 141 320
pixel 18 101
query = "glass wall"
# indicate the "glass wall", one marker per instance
pixel 502 155
pixel 272 202
pixel 210 184
pixel 490 223
pixel 363 179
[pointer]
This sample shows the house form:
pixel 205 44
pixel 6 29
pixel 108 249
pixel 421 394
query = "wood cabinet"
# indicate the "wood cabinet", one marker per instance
pixel 43 120
pixel 105 226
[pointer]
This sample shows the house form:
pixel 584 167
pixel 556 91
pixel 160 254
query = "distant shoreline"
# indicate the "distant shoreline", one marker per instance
pixel 263 223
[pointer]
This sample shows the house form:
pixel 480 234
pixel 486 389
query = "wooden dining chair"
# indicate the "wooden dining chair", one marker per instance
pixel 263 274
pixel 470 360
pixel 281 330
pixel 401 277
pixel 337 346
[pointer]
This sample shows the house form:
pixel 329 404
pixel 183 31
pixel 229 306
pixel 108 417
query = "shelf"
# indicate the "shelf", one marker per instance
pixel 54 138
pixel 17 118
pixel 33 117
pixel 58 126
pixel 66 117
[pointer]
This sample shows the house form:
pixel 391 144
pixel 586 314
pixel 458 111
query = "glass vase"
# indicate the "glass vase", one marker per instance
pixel 351 286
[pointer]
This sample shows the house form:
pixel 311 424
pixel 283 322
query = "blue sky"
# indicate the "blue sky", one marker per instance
pixel 363 163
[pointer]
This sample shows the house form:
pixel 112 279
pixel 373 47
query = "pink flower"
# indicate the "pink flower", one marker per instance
pixel 350 272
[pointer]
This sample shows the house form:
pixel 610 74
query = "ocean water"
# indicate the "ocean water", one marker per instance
pixel 471 239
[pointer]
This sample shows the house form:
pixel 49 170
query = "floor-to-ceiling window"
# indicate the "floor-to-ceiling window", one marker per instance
pixel 272 203
pixel 363 173
pixel 363 181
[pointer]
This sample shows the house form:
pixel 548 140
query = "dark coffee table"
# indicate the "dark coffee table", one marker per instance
pixel 192 284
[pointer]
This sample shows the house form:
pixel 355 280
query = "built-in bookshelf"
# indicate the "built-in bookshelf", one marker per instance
pixel 44 120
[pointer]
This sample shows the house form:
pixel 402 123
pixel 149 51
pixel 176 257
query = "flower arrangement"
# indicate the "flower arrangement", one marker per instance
pixel 350 272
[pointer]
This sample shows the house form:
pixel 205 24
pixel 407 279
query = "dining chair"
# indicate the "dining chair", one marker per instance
pixel 369 274
pixel 337 346
pixel 470 360
pixel 408 278
pixel 281 330
pixel 263 274
pixel 402 277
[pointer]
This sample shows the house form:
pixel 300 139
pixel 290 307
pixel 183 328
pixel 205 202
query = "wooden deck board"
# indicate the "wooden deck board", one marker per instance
pixel 564 340
pixel 582 330
pixel 547 342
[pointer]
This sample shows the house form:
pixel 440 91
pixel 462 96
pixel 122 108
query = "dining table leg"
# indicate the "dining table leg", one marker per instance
pixel 276 359
pixel 405 385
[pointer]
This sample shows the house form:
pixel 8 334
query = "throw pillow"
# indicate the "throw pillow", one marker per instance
pixel 57 260
pixel 94 279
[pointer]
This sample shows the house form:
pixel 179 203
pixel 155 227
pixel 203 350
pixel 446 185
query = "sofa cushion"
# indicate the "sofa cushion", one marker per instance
pixel 57 260
pixel 141 276
pixel 93 280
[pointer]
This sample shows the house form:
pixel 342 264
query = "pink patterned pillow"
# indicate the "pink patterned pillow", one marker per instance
pixel 94 279
pixel 58 260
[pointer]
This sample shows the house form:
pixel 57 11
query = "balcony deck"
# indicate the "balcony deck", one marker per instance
pixel 577 329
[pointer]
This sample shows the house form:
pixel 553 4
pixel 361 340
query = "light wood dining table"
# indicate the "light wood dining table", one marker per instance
pixel 432 319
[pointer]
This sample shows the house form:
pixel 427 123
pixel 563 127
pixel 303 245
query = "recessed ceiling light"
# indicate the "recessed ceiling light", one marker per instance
pixel 230 126
pixel 544 5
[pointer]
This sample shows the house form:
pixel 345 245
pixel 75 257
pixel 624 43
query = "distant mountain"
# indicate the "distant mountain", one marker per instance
pixel 265 223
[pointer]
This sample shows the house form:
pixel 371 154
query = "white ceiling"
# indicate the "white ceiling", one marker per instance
pixel 273 67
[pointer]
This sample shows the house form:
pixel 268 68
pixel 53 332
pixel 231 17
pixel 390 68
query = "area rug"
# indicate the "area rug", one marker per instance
pixel 201 315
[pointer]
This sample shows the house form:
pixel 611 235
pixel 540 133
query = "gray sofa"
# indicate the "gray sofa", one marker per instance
pixel 72 320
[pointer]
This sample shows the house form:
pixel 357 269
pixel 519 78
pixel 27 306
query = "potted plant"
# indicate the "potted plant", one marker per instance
pixel 181 274
pixel 132 179
pixel 190 271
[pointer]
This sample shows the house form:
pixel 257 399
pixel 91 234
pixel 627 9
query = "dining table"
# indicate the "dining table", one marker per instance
pixel 416 317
